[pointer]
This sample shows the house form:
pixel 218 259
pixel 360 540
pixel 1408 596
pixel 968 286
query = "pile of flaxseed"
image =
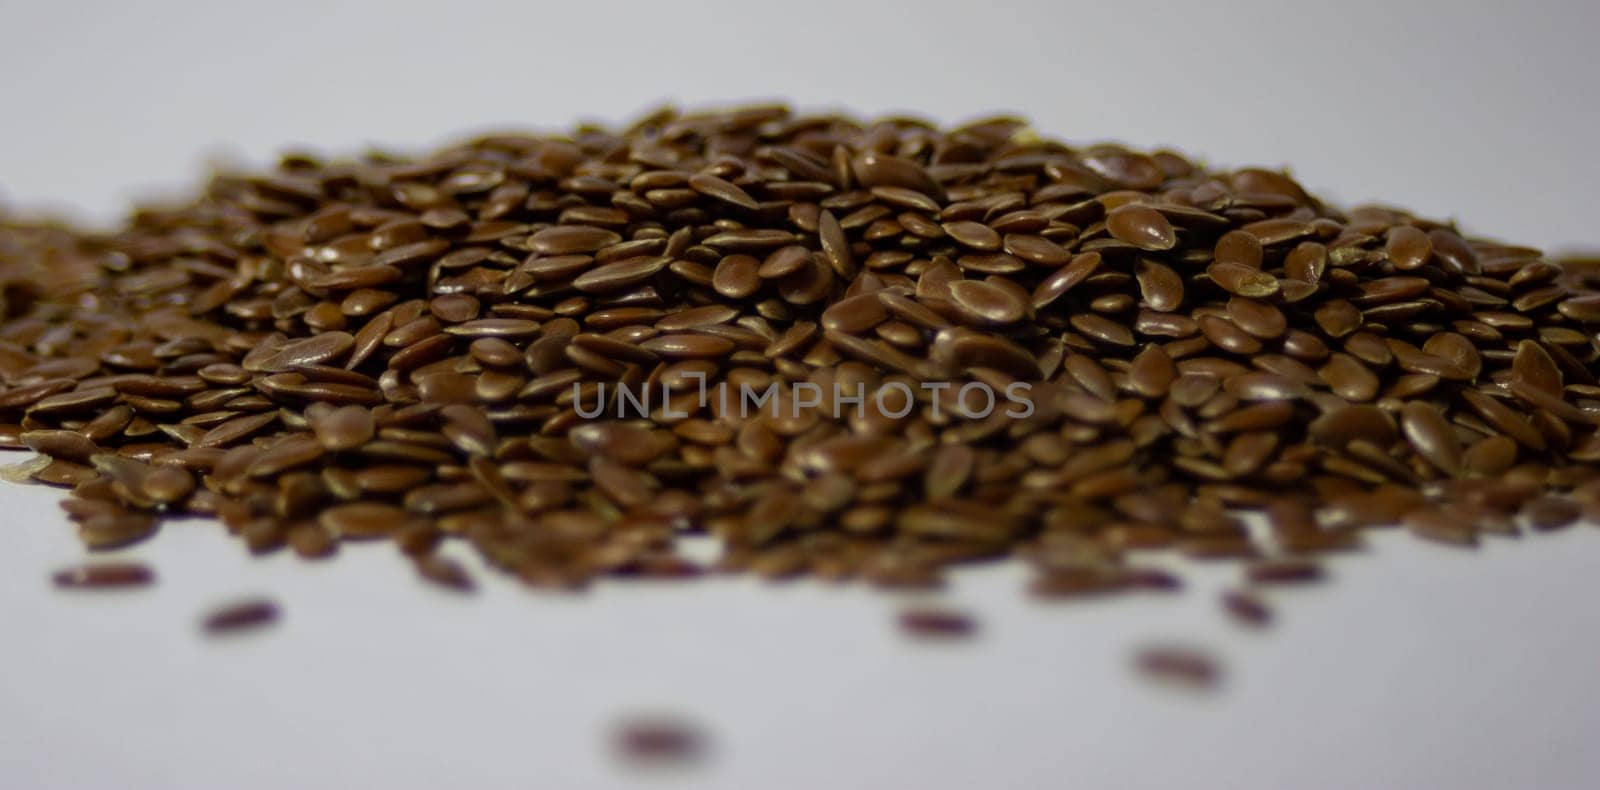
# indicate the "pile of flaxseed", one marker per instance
pixel 432 349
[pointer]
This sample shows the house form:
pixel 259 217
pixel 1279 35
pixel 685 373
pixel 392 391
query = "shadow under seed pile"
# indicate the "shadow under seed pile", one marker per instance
pixel 393 349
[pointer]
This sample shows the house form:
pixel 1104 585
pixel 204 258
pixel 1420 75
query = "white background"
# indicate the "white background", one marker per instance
pixel 1417 667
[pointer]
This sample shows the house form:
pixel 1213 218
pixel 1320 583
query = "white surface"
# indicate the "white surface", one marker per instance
pixel 1417 667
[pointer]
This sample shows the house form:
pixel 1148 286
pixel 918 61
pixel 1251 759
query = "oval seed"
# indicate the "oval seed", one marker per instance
pixel 571 239
pixel 736 276
pixel 1242 280
pixel 973 234
pixel 1238 247
pixel 1064 279
pixel 1349 378
pixel 315 350
pixel 445 572
pixel 682 346
pixel 1434 439
pixel 1548 513
pixel 1246 609
pixel 344 428
pixel 855 314
pixel 1178 665
pixel 1159 286
pixel 658 741
pixel 1283 571
pixel 835 246
pixel 1036 250
pixel 242 616
pixel 1409 248
pixel 1141 226
pixel 620 275
pixel 949 470
pixel 924 623
pixel 1258 318
pixel 104 576
pixel 1152 372
pixel 70 445
pixel 985 303
pixel 358 520
pixel 707 184
pixel 167 484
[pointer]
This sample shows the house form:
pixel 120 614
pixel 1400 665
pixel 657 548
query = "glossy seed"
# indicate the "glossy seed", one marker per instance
pixel 1152 372
pixel 1064 279
pixel 1102 329
pixel 166 485
pixel 835 246
pixel 362 519
pixel 972 234
pixel 721 189
pixel 620 275
pixel 1409 248
pixel 1159 286
pixel 985 303
pixel 1432 436
pixel 1141 226
pixel 855 315
pixel 1349 378
pixel 1240 248
pixel 1036 250
pixel 736 276
pixel 70 445
pixel 570 239
pixel 1533 366
pixel 688 346
pixel 1242 280
pixel 328 347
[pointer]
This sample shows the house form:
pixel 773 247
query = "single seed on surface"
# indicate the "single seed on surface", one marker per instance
pixel 659 742
pixel 104 576
pixel 247 615
pixel 1276 572
pixel 924 623
pixel 1246 609
pixel 1178 666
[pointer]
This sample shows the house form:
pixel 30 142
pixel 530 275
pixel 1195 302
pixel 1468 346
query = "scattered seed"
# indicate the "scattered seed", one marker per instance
pixel 248 615
pixel 1178 666
pixel 937 624
pixel 655 742
pixel 1246 609
pixel 104 575
pixel 446 573
pixel 1276 572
